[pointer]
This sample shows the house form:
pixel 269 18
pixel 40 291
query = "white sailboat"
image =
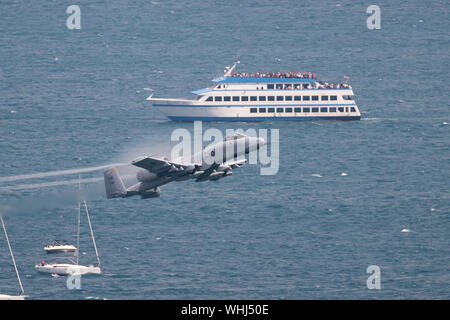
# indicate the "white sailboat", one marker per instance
pixel 21 296
pixel 74 268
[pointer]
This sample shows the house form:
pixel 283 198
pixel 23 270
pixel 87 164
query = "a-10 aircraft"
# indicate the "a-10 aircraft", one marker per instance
pixel 157 171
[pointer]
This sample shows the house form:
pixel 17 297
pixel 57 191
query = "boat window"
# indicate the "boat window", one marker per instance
pixel 280 110
pixel 279 86
pixel 297 110
pixel 297 98
pixel 253 98
pixel 315 98
pixel 253 110
pixel 270 109
pixel 270 86
pixel 332 109
pixel 235 98
pixel 209 99
pixel 262 110
pixel 288 86
pixel 288 98
pixel 341 109
pixel 244 98
pixel 262 98
pixel 288 110
pixel 348 97
pixel 334 98
pixel 306 98
pixel 271 98
pixel 315 109
pixel 324 109
pixel 324 98
pixel 352 109
pixel 346 109
pixel 217 98
pixel 297 86
pixel 280 98
pixel 305 86
pixel 306 110
pixel 226 98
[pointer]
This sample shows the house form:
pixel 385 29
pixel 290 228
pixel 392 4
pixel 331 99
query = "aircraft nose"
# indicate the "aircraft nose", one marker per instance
pixel 261 142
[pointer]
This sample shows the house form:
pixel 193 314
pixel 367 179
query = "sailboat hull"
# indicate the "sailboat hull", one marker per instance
pixel 67 269
pixel 8 297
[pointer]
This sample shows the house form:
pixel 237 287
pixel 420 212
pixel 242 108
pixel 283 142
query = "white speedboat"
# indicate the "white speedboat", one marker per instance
pixel 58 247
pixel 21 296
pixel 263 96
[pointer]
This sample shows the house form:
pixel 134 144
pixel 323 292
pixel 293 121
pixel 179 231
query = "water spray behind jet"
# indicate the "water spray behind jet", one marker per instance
pixel 28 186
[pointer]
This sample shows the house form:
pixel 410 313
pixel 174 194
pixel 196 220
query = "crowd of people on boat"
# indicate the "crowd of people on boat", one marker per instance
pixel 57 243
pixel 326 85
pixel 301 75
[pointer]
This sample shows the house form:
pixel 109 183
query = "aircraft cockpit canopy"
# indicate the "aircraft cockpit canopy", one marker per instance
pixel 235 136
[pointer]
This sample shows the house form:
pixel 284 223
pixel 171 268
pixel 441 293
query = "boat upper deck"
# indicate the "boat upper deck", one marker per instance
pixel 262 80
pixel 245 77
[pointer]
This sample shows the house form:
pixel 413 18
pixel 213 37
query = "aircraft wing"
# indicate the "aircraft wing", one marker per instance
pixel 161 166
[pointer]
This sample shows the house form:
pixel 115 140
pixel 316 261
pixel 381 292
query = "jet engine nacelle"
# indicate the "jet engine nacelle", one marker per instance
pixel 145 175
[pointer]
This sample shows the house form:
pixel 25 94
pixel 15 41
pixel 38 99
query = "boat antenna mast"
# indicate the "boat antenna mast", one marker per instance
pixel 229 70
pixel 12 256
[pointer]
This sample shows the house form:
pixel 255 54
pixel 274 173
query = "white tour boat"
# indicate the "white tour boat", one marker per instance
pixel 21 296
pixel 264 96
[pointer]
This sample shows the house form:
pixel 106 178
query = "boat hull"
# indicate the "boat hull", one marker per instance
pixel 67 269
pixel 8 297
pixel 256 119
pixel 232 113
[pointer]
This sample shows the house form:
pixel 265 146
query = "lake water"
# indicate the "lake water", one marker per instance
pixel 76 99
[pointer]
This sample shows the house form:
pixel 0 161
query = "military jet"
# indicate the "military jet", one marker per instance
pixel 156 171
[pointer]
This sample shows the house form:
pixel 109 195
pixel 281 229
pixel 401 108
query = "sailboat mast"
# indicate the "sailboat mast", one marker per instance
pixel 78 234
pixel 12 255
pixel 79 220
pixel 92 232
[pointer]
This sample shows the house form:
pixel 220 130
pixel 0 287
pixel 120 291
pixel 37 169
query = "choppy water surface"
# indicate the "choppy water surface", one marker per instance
pixel 76 99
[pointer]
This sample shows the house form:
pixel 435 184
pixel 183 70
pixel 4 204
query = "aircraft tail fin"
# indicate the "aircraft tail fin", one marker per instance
pixel 114 185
